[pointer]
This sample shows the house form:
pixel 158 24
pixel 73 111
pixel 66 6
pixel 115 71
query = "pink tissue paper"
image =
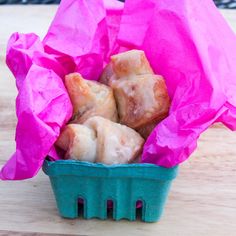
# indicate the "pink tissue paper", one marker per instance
pixel 183 42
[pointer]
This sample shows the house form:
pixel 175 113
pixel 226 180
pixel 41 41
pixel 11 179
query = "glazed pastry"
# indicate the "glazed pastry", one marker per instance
pixel 116 144
pixel 141 96
pixel 141 99
pixel 90 98
pixel 126 64
pixel 133 62
pixel 100 140
pixel 79 142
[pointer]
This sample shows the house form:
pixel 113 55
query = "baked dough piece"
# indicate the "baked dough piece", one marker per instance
pixel 141 99
pixel 126 64
pixel 133 62
pixel 100 140
pixel 79 142
pixel 141 96
pixel 90 98
pixel 116 144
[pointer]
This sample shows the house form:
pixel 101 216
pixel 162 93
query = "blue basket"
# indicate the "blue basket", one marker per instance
pixel 97 184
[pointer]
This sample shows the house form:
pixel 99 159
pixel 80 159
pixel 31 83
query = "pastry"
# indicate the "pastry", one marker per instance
pixel 141 99
pixel 141 96
pixel 89 98
pixel 79 142
pixel 100 140
pixel 116 143
pixel 127 64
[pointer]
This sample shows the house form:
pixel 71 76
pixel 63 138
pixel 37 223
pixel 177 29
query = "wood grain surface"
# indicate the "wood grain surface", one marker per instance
pixel 203 197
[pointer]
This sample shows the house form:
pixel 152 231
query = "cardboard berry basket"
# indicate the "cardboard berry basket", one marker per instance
pixel 125 185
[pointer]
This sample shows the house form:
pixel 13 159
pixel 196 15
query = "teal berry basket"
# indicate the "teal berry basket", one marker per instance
pixel 125 185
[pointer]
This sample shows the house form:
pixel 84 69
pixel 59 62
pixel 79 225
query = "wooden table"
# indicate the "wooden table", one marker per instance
pixel 202 200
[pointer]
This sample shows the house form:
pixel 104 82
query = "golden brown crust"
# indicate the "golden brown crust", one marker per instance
pixel 133 62
pixel 90 98
pixel 141 96
pixel 141 99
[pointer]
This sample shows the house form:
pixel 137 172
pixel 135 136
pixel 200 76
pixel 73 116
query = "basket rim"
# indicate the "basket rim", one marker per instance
pixel 88 169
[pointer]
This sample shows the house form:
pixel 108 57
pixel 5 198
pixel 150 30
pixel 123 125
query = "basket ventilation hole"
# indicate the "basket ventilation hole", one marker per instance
pixel 80 207
pixel 139 209
pixel 110 208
